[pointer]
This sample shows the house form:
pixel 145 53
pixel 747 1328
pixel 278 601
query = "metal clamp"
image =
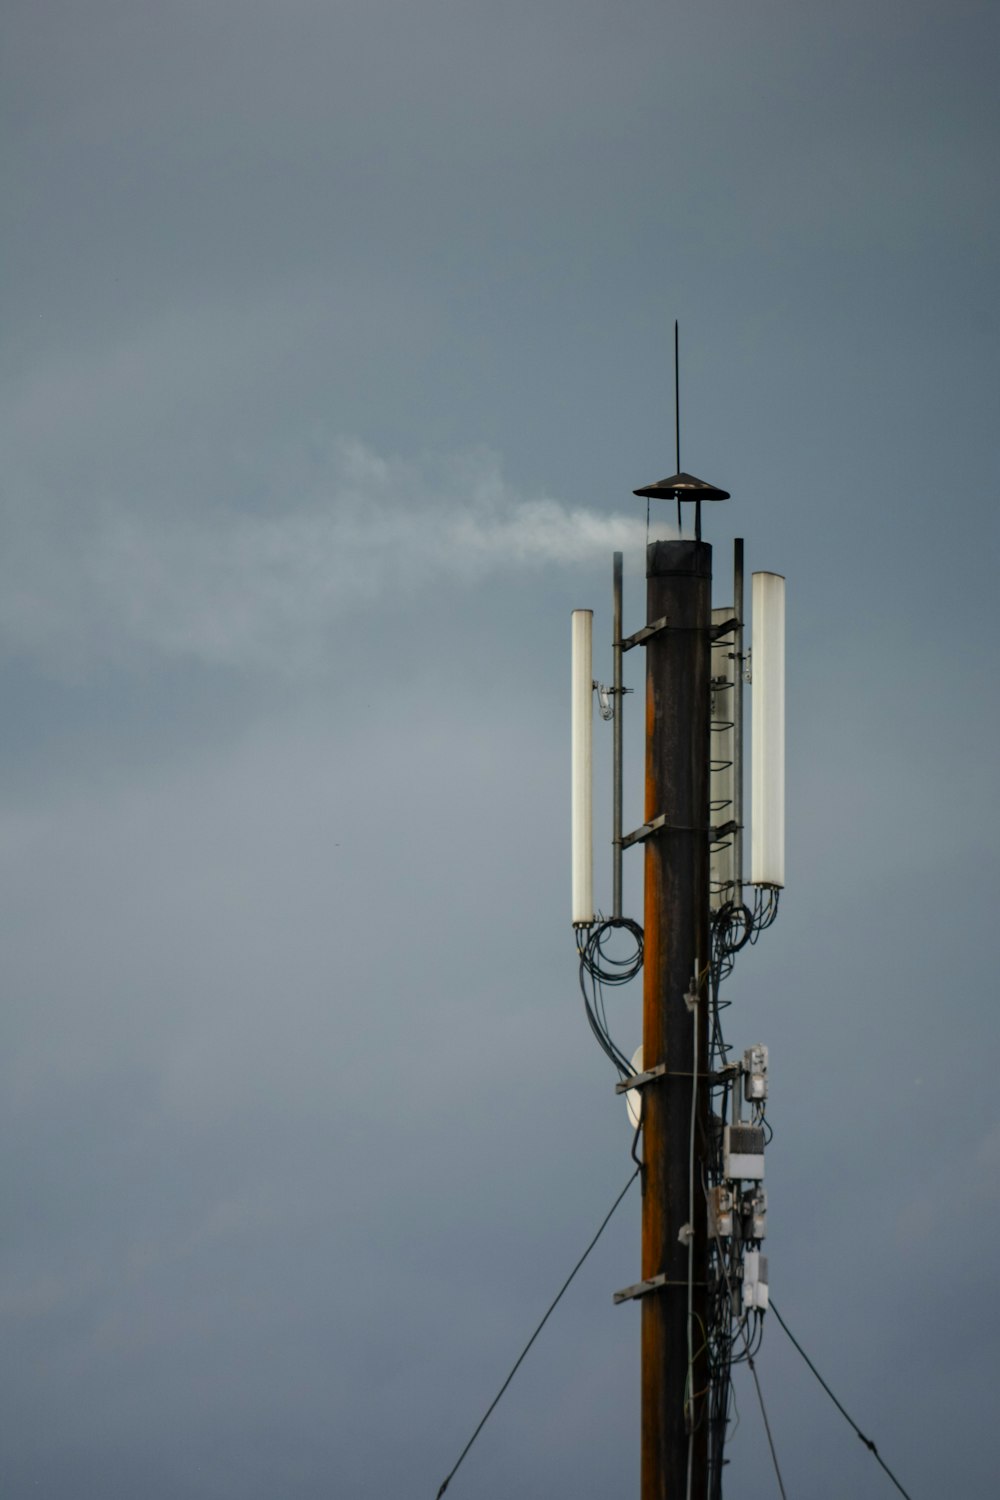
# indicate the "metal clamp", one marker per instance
pixel 657 627
pixel 639 1079
pixel 718 631
pixel 643 1288
pixel 640 1289
pixel 646 633
pixel 640 834
pixel 661 823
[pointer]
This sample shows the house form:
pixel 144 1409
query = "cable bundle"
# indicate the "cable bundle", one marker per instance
pixel 599 968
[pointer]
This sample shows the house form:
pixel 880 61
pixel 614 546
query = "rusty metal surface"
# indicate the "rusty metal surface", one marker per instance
pixel 676 933
pixel 683 487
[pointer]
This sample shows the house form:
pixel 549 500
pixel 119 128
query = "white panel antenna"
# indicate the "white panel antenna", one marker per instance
pixel 767 858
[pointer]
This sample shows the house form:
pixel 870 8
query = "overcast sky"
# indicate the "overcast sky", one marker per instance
pixel 336 338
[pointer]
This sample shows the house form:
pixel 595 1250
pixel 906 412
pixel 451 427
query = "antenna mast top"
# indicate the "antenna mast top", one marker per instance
pixel 677 400
pixel 681 486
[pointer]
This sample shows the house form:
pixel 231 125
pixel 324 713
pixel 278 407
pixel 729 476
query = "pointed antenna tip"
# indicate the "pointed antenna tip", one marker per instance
pixel 677 395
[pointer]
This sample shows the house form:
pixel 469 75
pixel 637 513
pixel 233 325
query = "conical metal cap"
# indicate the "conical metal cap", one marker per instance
pixel 682 487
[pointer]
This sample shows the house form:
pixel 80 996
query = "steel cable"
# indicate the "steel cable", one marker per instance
pixel 849 1419
pixel 552 1307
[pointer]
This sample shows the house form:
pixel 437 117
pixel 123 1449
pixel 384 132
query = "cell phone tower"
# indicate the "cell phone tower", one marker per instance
pixel 697 1108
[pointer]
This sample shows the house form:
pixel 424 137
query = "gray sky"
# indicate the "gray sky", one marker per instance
pixel 336 337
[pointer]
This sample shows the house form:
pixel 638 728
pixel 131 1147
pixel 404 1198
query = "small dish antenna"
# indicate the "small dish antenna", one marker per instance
pixel 633 1097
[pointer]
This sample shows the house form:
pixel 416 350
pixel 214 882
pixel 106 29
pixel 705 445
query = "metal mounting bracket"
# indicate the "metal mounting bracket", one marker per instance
pixel 723 830
pixel 639 1079
pixel 640 834
pixel 646 633
pixel 643 1288
pixel 640 1289
pixel 657 825
pixel 657 627
pixel 718 631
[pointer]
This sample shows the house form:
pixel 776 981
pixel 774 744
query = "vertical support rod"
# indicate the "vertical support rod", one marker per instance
pixel 619 705
pixel 677 392
pixel 737 812
pixel 582 777
pixel 677 411
pixel 678 700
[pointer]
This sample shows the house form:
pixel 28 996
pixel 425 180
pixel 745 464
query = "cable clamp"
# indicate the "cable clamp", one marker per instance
pixel 685 1235
pixel 692 997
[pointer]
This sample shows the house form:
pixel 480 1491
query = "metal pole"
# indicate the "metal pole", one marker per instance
pixel 678 690
pixel 619 705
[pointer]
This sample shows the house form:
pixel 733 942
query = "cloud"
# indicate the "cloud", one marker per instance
pixel 261 587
